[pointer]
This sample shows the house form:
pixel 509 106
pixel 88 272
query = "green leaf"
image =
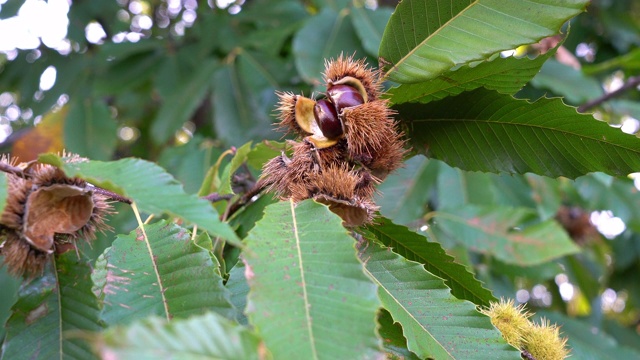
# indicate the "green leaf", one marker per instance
pixel 457 187
pixel 89 129
pixel 369 26
pixel 486 131
pixel 4 193
pixel 404 194
pixel 309 297
pixel 53 312
pixel 150 187
pixel 415 247
pixel 9 285
pixel 10 8
pixel 208 336
pixel 620 196
pixel 499 231
pixel 238 159
pixel 239 288
pixel 162 273
pixel 392 338
pixel 241 113
pixel 178 107
pixel 435 324
pixel 563 80
pixel 425 38
pixel 324 36
pixel 245 219
pixel 140 65
pixel 189 162
pixel 628 61
pixel 504 75
pixel 263 152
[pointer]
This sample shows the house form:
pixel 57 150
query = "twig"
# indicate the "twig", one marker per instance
pixel 245 198
pixel 4 167
pixel 215 197
pixel 111 195
pixel 631 83
pixel 527 355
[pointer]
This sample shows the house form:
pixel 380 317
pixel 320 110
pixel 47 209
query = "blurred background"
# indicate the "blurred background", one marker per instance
pixel 178 82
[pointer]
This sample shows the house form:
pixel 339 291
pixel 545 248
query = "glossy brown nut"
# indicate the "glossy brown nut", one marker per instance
pixel 344 96
pixel 327 118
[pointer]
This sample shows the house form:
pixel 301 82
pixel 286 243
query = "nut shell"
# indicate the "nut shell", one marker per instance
pixel 344 96
pixel 327 118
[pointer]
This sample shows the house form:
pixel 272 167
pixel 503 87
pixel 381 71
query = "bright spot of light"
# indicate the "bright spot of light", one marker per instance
pixel 566 291
pixel 12 112
pixel 135 7
pixel 630 125
pixel 424 228
pixel 143 22
pixel 508 53
pixel 614 82
pixel 128 134
pixel 541 294
pixel 133 37
pixel 607 224
pixel 189 16
pixel 48 78
pixel 36 21
pixel 94 33
pixel 6 99
pixel 613 301
pixel 522 296
pixel 634 176
pixel 224 3
pixel 5 131
pixel 586 51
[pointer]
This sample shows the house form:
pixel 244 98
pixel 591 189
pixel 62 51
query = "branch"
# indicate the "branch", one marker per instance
pixel 215 197
pixel 631 83
pixel 111 195
pixel 527 355
pixel 245 198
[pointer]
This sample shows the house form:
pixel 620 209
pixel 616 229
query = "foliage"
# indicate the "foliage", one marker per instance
pixel 494 199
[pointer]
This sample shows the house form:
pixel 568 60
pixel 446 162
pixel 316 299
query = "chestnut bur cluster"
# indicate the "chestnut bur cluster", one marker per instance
pixel 346 142
pixel 47 212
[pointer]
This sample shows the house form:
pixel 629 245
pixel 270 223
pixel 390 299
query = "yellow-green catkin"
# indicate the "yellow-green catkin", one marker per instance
pixel 543 342
pixel 511 320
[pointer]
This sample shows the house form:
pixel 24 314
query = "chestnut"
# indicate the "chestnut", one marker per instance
pixel 344 96
pixel 327 118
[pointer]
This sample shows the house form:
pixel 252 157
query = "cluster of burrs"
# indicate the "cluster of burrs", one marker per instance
pixel 46 212
pixel 347 142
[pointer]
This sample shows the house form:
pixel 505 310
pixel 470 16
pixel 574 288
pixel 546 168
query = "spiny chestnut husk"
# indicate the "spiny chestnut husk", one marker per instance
pixel 45 210
pixel 293 177
pixel 372 137
pixel 350 142
pixel 345 69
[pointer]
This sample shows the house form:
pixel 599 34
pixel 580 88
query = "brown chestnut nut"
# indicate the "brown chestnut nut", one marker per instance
pixel 327 118
pixel 344 96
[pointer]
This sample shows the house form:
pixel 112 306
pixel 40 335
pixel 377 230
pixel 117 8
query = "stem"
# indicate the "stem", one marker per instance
pixel 14 171
pixel 527 355
pixel 215 197
pixel 111 195
pixel 631 83
pixel 244 199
